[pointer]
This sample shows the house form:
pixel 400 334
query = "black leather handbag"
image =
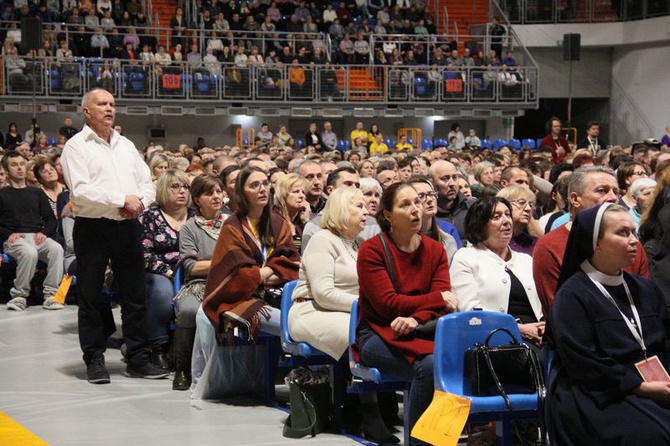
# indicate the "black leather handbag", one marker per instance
pixel 512 368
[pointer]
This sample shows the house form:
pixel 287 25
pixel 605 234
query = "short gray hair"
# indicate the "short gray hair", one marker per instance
pixel 370 183
pixel 640 184
pixel 578 177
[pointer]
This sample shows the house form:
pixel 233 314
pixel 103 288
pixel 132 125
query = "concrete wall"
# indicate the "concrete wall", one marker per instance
pixel 591 76
pixel 626 61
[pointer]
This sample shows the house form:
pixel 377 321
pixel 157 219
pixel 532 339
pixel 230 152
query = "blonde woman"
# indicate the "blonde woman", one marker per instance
pixel 290 201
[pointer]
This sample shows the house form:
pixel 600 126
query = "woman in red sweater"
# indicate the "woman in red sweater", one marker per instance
pixel 392 308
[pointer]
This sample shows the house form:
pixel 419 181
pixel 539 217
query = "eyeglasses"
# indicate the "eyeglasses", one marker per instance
pixel 523 203
pixel 257 185
pixel 640 173
pixel 423 196
pixel 176 188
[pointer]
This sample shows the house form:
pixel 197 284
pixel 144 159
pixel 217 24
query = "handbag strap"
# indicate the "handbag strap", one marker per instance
pixel 541 396
pixel 292 432
pixel 389 261
pixel 539 386
pixel 496 380
pixel 488 338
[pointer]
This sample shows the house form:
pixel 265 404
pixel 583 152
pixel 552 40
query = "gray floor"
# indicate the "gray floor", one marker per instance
pixel 44 388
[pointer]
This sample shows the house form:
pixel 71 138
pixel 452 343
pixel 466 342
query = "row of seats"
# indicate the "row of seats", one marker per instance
pixel 455 334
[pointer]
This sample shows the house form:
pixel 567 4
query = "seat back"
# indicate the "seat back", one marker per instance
pixel 458 332
pixel 178 279
pixel 499 143
pixel 286 304
pixel 514 143
pixel 528 142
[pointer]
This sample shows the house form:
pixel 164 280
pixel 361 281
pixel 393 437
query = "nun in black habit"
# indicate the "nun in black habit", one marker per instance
pixel 601 323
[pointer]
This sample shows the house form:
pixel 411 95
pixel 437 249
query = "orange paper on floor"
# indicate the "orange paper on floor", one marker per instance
pixel 442 423
pixel 63 288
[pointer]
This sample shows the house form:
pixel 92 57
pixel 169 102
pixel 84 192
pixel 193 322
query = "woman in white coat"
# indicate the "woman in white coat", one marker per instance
pixel 490 276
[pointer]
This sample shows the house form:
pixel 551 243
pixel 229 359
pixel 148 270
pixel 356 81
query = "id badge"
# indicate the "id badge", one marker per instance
pixel 651 370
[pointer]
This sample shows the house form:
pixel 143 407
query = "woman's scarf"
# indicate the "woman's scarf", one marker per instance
pixel 234 278
pixel 211 227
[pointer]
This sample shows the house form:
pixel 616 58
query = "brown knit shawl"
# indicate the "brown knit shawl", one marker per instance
pixel 234 278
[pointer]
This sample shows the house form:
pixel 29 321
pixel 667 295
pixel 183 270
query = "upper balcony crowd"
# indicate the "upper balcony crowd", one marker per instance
pixel 287 50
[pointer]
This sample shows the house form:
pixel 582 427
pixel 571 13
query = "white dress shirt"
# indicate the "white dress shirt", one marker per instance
pixel 100 174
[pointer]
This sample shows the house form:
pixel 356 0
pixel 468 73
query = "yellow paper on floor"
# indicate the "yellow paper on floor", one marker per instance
pixel 63 288
pixel 442 423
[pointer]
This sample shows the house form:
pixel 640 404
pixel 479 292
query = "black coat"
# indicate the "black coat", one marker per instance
pixel 590 391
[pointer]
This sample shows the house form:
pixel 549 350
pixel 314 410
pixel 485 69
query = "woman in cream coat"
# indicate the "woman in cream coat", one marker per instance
pixel 490 276
pixel 327 287
pixel 328 282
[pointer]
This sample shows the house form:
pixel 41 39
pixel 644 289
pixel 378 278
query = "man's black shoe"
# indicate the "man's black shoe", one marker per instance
pixel 97 372
pixel 146 370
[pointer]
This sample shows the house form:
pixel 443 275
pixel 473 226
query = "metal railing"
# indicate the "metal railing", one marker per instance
pixel 581 11
pixel 216 82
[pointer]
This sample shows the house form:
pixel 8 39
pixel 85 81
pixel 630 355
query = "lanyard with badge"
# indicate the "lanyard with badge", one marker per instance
pixel 650 369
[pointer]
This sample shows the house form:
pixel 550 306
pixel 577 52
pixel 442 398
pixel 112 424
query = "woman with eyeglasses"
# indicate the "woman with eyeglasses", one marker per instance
pixel 491 276
pixel 161 224
pixel 430 225
pixel 522 200
pixel 626 175
pixel 254 254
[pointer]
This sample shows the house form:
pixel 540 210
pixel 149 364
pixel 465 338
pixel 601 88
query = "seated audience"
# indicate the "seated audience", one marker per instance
pixel 328 286
pixel 254 252
pixel 602 323
pixel 489 275
pixel 161 224
pixel 26 224
pixel 290 202
pixel 655 234
pixel 372 191
pixel 627 174
pixel 641 191
pixel 523 205
pixel 197 239
pixel 392 308
pixel 430 226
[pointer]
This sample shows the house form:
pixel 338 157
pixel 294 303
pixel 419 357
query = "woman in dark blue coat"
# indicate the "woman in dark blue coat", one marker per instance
pixel 595 393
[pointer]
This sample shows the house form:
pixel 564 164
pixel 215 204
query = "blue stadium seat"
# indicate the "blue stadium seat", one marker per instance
pixel 499 143
pixel 514 143
pixel 528 142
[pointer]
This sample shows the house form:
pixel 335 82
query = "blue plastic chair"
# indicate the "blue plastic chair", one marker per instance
pixel 514 143
pixel 455 334
pixel 137 81
pixel 301 353
pixel 178 279
pixel 420 86
pixel 202 82
pixel 302 349
pixel 528 142
pixel 499 143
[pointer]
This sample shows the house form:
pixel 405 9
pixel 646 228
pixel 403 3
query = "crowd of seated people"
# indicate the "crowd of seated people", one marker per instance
pixel 266 37
pixel 272 202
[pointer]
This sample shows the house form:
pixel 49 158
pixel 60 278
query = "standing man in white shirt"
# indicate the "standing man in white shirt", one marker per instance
pixel 110 185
